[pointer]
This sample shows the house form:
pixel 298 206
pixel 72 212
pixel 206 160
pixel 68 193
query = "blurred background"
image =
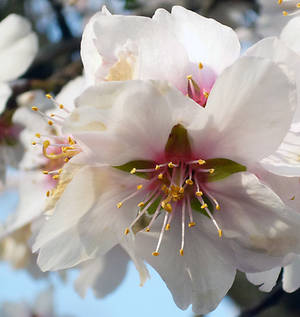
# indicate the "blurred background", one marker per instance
pixel 59 25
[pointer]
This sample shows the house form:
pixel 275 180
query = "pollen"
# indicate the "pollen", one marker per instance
pixel 155 253
pixel 181 252
pixel 220 233
pixel 218 207
pixel 55 176
pixel 48 193
pixel 199 194
pixel 201 162
pixel 284 13
pixel 133 171
pixel 212 170
pixel 160 176
pixel 50 122
pixel 33 143
pixel 139 187
pixel 147 229
pixel 35 108
pixel 126 231
pixel 119 205
pixel 167 207
pixel 171 165
pixel 157 167
pixel 61 106
pixel 48 96
pixel 200 65
pixel 204 206
pixel 189 77
pixel 192 224
pixel 189 182
pixel 168 226
pixel 141 204
pixel 38 135
pixel 45 172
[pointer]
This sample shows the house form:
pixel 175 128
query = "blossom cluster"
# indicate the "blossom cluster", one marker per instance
pixel 173 149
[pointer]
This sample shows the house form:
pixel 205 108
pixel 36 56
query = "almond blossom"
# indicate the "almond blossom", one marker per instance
pixel 151 170
pixel 191 50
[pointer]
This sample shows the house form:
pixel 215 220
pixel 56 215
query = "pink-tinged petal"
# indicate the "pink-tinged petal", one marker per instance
pixel 126 121
pixel 266 280
pixel 202 276
pixel 291 276
pixel 18 46
pixel 259 228
pixel 103 274
pixel 205 40
pixel 248 121
pixel 116 47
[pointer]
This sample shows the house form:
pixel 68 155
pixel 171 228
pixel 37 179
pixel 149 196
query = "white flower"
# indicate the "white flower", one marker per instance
pixel 182 47
pixel 198 214
pixel 18 47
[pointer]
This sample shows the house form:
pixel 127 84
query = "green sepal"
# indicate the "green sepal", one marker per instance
pixel 223 168
pixel 178 144
pixel 196 205
pixel 139 164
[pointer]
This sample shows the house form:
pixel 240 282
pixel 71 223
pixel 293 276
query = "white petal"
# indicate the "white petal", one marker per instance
pixel 266 280
pixel 290 34
pixel 201 277
pixel 103 274
pixel 137 42
pixel 286 160
pixel 18 46
pixel 5 93
pixel 291 276
pixel 258 227
pixel 245 105
pixel 205 40
pixel 135 117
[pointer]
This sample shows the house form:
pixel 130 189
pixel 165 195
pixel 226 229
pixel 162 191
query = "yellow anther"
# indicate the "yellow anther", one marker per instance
pixel 35 108
pixel 168 226
pixel 66 160
pixel 155 253
pixel 37 135
pixel 279 1
pixel 45 172
pixel 206 94
pixel 119 205
pixel 157 167
pixel 71 141
pixel 141 204
pixel 167 207
pixel 33 143
pixel 218 207
pixel 201 162
pixel 192 224
pixel 50 122
pixel 171 165
pixel 200 65
pixel 293 198
pixel 212 170
pixel 147 229
pixel 284 13
pixel 55 176
pixel 189 77
pixel 52 115
pixel 181 252
pixel 133 171
pixel 61 106
pixel 59 171
pixel 138 187
pixel 160 176
pixel 48 193
pixel 298 5
pixel 126 231
pixel 48 96
pixel 220 233
pixel 181 190
pixel 189 182
pixel 199 194
pixel 204 206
